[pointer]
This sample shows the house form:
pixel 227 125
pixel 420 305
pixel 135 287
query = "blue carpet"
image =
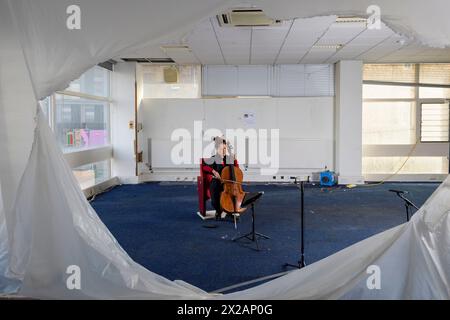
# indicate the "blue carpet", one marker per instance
pixel 157 224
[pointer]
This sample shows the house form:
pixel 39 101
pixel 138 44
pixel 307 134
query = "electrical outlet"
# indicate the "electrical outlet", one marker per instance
pixel 139 157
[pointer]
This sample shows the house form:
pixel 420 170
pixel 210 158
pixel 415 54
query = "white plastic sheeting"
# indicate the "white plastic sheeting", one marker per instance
pixel 57 55
pixel 6 283
pixel 413 260
pixel 53 227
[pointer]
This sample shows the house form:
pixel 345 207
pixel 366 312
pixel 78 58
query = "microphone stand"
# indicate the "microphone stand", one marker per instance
pixel 301 263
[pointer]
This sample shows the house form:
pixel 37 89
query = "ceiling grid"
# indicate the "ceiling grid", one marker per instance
pixel 315 40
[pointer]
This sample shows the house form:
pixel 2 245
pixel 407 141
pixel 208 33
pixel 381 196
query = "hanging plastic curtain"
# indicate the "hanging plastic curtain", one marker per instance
pixel 59 248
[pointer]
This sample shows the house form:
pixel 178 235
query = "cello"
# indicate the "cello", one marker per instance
pixel 232 194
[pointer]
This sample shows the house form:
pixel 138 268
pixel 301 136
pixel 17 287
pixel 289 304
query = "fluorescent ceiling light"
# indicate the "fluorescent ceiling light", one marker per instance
pixel 351 20
pixel 328 46
pixel 175 47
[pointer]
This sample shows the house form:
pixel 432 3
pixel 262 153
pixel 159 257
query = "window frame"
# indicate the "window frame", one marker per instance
pixel 90 155
pixel 87 96
pixel 421 145
pixel 432 101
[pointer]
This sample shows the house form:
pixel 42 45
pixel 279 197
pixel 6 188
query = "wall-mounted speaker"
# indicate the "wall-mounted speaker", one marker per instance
pixel 171 75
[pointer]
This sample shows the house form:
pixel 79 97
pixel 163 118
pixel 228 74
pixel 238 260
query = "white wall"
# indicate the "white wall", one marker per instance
pixel 349 122
pixel 315 132
pixel 123 162
pixel 306 129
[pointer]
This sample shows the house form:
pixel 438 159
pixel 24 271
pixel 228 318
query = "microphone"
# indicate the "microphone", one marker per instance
pixel 400 193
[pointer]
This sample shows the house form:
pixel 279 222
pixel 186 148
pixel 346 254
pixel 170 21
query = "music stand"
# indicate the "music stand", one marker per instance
pixel 301 262
pixel 408 203
pixel 250 199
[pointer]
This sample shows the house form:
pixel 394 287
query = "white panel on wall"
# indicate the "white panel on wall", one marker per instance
pixel 160 118
pixel 304 80
pixel 306 118
pixel 168 115
pixel 220 80
pixel 254 80
pixel 306 132
pixel 305 126
pixel 161 155
pixel 298 80
pixel 312 154
pixel 229 113
pixel 290 80
pixel 319 80
pixel 243 80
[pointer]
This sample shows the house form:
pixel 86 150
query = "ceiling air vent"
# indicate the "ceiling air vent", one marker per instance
pixel 139 60
pixel 161 60
pixel 247 17
pixel 149 60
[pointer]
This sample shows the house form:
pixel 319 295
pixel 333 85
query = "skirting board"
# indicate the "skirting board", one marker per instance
pixel 350 179
pixel 99 188
pixel 129 180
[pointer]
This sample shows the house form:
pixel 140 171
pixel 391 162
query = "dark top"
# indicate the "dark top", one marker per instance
pixel 217 163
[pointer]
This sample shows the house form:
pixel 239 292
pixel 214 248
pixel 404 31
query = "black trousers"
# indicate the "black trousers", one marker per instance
pixel 216 190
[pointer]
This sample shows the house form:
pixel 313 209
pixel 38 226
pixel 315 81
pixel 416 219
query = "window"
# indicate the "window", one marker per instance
pixel 80 119
pixel 400 72
pixel 92 174
pixel 387 123
pixel 434 93
pixel 375 91
pixel 414 165
pixel 434 122
pixel 396 117
pixel 187 84
pixel 435 73
pixel 81 123
pixel 81 112
pixel 46 106
pixel 389 111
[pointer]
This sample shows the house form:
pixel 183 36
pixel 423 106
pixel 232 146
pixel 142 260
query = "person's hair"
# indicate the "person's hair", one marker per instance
pixel 218 141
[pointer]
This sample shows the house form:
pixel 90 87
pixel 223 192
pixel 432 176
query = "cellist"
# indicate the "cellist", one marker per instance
pixel 214 166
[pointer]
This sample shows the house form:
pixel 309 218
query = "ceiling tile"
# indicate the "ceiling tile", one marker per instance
pixel 266 43
pixel 291 43
pixel 235 43
pixel 303 34
pixel 341 33
pixel 204 45
pixel 318 55
pixel 181 55
pixel 388 46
